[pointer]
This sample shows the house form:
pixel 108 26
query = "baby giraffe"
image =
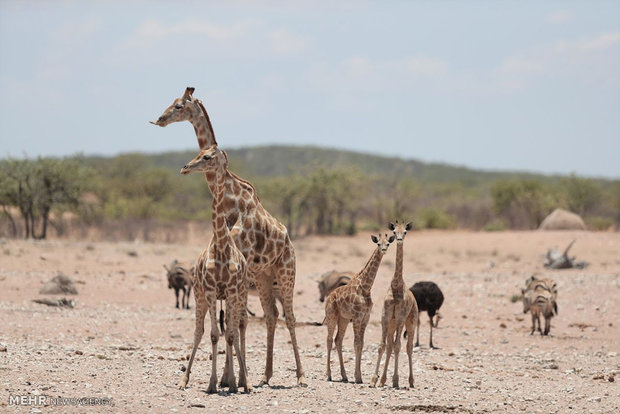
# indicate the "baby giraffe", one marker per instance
pixel 399 309
pixel 221 273
pixel 353 302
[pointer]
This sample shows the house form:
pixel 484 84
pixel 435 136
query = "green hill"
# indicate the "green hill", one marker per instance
pixel 280 160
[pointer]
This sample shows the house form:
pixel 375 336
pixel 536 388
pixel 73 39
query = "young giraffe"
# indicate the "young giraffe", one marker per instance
pixel 262 239
pixel 399 310
pixel 220 274
pixel 353 302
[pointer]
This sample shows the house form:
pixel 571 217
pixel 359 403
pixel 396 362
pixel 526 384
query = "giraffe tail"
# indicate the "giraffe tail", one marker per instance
pixel 222 317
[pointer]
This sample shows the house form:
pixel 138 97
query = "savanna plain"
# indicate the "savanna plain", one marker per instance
pixel 125 340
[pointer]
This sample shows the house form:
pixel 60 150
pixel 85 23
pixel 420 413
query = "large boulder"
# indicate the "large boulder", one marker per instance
pixel 562 220
pixel 59 285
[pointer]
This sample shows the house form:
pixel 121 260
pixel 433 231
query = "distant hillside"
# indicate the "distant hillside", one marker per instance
pixel 279 160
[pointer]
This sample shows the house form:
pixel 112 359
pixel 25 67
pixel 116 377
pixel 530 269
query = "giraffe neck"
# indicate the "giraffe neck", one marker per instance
pixel 366 278
pixel 202 126
pixel 398 284
pixel 217 183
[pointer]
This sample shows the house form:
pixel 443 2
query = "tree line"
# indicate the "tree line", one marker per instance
pixel 132 194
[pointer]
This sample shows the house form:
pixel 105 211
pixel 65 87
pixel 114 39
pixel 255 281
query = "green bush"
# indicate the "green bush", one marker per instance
pixel 495 225
pixel 431 218
pixel 599 223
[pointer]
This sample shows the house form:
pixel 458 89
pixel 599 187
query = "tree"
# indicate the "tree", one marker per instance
pixel 36 187
pixel 523 203
pixel 581 194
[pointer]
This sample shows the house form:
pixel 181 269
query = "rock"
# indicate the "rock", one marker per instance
pixel 60 284
pixel 562 220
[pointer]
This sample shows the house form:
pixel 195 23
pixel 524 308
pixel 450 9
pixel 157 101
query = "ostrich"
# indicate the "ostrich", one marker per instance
pixel 429 298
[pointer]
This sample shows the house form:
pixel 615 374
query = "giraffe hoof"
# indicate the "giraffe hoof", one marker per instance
pixel 301 381
pixel 262 383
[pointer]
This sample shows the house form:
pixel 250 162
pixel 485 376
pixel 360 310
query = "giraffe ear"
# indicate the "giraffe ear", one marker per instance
pixel 391 239
pixel 391 226
pixel 374 238
pixel 409 226
pixel 188 92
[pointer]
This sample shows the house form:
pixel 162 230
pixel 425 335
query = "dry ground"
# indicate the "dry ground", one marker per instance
pixel 125 340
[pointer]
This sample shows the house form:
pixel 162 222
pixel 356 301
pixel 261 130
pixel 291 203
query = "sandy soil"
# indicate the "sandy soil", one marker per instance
pixel 124 340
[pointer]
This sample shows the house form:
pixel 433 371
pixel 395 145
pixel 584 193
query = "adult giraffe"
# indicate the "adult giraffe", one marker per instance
pixel 262 239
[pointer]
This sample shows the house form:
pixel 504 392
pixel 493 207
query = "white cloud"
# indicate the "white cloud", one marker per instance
pixel 154 30
pixel 602 42
pixel 285 42
pixel 357 68
pixel 520 66
pixel 425 66
pixel 559 17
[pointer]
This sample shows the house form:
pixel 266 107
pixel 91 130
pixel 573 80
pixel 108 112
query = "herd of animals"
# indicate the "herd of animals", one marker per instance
pixel 251 253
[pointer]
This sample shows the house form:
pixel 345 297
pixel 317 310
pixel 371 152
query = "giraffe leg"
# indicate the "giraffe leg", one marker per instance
pixel 410 326
pixel 176 292
pixel 533 324
pixel 359 327
pixel 375 377
pixel 285 275
pixel 215 335
pixel 243 324
pixel 243 372
pixel 399 331
pixel 201 310
pixel 342 327
pixel 232 325
pixel 264 285
pixel 330 322
pixel 538 319
pixel 417 335
pixel 228 375
pixel 388 353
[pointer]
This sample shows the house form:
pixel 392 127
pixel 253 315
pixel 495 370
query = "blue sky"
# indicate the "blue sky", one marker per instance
pixel 502 85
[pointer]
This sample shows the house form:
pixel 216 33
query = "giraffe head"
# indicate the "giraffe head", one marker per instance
pixel 207 160
pixel 400 229
pixel 383 241
pixel 182 109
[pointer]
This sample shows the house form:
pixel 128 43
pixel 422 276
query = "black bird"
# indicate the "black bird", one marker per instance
pixel 429 299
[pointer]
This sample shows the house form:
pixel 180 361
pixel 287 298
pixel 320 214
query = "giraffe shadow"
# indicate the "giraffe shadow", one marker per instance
pixel 225 393
pixel 280 387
